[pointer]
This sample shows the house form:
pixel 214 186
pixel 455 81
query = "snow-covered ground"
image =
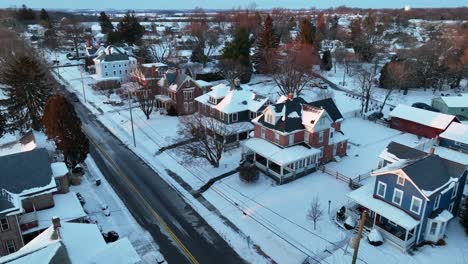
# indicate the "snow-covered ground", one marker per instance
pixel 120 219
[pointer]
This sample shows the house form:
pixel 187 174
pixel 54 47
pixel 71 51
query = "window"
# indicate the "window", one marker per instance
pixel 4 224
pixel 415 205
pixel 276 138
pixel 433 228
pixel 105 66
pixel 263 132
pixel 221 115
pixel 321 152
pixel 392 223
pixel 291 139
pixel 10 245
pixel 107 74
pixel 114 73
pixel 120 72
pixel 397 196
pixel 234 117
pixel 455 189
pixel 306 137
pixel 269 119
pixel 436 202
pixel 57 183
pixel 253 115
pixel 185 106
pixel 187 84
pixel 188 95
pixel 450 207
pixel 381 189
pixel 190 107
pixel 120 65
pixel 320 136
pixel 401 181
pixel 331 134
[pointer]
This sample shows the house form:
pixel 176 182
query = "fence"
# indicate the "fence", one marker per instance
pixel 352 183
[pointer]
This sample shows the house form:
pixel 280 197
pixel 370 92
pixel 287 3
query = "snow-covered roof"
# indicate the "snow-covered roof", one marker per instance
pixel 456 101
pixel 364 197
pixel 444 216
pixel 280 156
pixel 227 129
pixel 202 83
pixel 118 252
pixel 421 116
pixel 155 64
pixel 66 206
pixel 456 132
pixel 59 169
pixel 219 91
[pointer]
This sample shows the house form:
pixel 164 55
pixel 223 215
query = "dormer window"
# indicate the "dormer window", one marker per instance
pixel 269 119
pixel 212 100
pixel 401 181
pixel 187 84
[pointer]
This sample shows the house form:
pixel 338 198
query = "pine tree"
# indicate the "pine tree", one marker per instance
pixel 238 50
pixel 130 29
pixel 327 62
pixel 198 54
pixel 63 126
pixel 266 45
pixel 106 24
pixel 3 124
pixel 27 89
pixel 44 16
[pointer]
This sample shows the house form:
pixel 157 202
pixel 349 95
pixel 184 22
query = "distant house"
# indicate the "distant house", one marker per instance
pixel 149 74
pixel 68 243
pixel 114 64
pixel 455 137
pixel 178 90
pixel 293 136
pixel 32 188
pixel 419 122
pixel 234 107
pixel 412 200
pixel 452 105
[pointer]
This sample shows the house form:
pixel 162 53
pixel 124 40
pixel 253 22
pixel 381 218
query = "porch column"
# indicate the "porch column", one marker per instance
pixel 375 218
pixel 281 173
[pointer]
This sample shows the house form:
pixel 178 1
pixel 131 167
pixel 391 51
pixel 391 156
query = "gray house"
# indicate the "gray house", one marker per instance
pixel 455 137
pixel 234 107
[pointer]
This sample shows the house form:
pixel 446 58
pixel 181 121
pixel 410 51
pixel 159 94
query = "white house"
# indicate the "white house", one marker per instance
pixel 114 63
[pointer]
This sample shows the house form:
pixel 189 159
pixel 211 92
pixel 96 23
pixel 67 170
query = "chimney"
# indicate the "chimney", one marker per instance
pixel 236 82
pixel 431 151
pixel 290 96
pixel 56 225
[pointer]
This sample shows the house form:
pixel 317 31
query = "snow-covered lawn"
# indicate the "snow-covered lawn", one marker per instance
pixel 264 208
pixel 366 140
pixel 120 219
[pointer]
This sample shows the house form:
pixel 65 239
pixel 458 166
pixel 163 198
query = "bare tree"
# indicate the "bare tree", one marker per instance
pixel 293 71
pixel 315 211
pixel 73 31
pixel 146 98
pixel 161 50
pixel 397 79
pixel 346 58
pixel 194 68
pixel 207 135
pixel 231 69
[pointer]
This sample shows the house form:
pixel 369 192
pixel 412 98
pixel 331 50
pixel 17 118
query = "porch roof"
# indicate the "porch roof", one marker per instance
pixel 163 98
pixel 280 156
pixel 363 196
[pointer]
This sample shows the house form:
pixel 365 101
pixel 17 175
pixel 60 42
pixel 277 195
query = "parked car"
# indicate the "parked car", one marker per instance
pixel 160 258
pixel 105 210
pixel 424 106
pixel 81 198
pixel 110 236
pixel 323 86
pixel 374 116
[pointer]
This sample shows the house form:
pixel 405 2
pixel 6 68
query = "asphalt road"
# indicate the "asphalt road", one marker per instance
pixel 182 234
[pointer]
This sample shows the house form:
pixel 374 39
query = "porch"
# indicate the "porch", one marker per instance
pixel 163 102
pixel 395 225
pixel 283 164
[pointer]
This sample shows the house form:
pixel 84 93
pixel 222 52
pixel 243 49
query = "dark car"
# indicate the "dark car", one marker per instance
pixel 110 236
pixel 424 106
pixel 374 116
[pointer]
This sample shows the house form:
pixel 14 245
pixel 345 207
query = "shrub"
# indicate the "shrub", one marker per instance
pixel 248 171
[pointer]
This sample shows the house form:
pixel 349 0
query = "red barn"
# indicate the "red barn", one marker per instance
pixel 420 122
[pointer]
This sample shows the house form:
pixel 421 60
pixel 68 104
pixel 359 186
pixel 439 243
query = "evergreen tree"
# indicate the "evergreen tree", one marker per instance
pixel 63 126
pixel 25 14
pixel 238 50
pixel 306 32
pixel 106 24
pixel 3 124
pixel 27 88
pixel 198 54
pixel 44 16
pixel 266 45
pixel 50 38
pixel 130 29
pixel 327 62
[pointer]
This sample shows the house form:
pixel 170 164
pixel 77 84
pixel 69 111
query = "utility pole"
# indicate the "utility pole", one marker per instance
pixel 358 239
pixel 131 116
pixel 82 84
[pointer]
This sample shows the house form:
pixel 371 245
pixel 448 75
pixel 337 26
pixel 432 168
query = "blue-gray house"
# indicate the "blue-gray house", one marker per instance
pixel 455 137
pixel 412 200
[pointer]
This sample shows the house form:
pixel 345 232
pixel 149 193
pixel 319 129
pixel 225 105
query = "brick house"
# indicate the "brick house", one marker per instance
pixel 420 122
pixel 178 90
pixel 292 137
pixel 234 107
pixel 31 189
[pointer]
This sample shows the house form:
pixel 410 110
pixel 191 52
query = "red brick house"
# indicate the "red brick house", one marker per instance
pixel 420 122
pixel 293 136
pixel 178 90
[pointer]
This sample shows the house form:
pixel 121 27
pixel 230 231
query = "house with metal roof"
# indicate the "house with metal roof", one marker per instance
pixel 412 198
pixel 452 105
pixel 292 137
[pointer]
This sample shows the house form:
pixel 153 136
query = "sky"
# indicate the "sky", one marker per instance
pixel 227 4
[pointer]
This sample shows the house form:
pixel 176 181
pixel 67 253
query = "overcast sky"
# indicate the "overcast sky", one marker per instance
pixel 227 4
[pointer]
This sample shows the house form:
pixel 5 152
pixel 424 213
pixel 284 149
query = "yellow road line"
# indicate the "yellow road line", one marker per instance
pixel 155 214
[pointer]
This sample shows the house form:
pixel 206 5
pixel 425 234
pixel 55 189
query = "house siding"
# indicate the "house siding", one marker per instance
pixel 448 143
pixel 13 233
pixel 39 202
